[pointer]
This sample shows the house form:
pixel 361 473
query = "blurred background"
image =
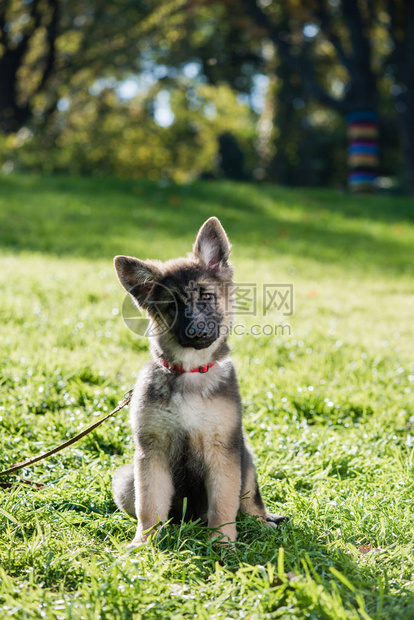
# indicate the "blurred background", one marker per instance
pixel 124 125
pixel 315 93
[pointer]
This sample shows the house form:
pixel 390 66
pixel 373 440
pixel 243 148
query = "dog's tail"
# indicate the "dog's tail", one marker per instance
pixel 123 489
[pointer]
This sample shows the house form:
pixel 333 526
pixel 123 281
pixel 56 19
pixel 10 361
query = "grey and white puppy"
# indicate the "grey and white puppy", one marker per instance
pixel 185 409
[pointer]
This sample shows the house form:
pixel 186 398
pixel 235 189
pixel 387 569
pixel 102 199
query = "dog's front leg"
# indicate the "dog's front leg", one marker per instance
pixel 153 493
pixel 223 483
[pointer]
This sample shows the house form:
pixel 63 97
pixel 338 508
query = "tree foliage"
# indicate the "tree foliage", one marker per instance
pixel 63 63
pixel 51 47
pixel 102 134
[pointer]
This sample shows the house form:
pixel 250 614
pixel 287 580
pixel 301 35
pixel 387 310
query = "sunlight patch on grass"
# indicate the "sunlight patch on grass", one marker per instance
pixel 328 408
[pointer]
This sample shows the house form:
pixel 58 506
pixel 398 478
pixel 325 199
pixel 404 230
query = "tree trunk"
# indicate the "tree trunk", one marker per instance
pixel 401 30
pixel 405 111
pixel 12 115
pixel 363 151
pixel 405 94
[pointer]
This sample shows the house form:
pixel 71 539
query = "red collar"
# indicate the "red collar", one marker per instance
pixel 179 368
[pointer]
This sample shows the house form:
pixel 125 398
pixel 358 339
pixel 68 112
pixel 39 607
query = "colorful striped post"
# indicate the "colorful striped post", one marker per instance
pixel 363 152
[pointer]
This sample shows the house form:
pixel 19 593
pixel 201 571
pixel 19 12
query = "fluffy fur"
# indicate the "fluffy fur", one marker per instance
pixel 187 427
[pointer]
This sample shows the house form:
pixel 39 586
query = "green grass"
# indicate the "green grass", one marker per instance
pixel 328 409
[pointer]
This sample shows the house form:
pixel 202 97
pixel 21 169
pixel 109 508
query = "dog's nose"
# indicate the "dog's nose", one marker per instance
pixel 200 331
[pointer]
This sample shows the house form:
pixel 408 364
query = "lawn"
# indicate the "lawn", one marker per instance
pixel 328 403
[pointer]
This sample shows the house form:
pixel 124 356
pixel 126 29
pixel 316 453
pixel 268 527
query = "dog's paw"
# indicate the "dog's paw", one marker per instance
pixel 139 541
pixel 223 542
pixel 272 520
pixel 136 544
pixel 224 539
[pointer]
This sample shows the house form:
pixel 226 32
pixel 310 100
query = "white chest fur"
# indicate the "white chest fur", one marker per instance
pixel 197 414
pixel 195 407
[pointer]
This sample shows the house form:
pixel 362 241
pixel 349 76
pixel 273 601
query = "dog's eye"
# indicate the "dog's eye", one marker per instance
pixel 205 296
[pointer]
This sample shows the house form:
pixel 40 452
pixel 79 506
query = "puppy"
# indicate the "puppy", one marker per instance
pixel 185 409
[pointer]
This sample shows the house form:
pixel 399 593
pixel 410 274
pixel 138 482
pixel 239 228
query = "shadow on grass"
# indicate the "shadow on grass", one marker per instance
pixel 97 218
pixel 312 570
pixel 306 556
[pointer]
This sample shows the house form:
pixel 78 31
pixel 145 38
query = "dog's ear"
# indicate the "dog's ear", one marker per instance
pixel 137 277
pixel 212 246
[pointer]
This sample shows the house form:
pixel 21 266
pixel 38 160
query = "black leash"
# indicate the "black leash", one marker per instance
pixel 69 442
